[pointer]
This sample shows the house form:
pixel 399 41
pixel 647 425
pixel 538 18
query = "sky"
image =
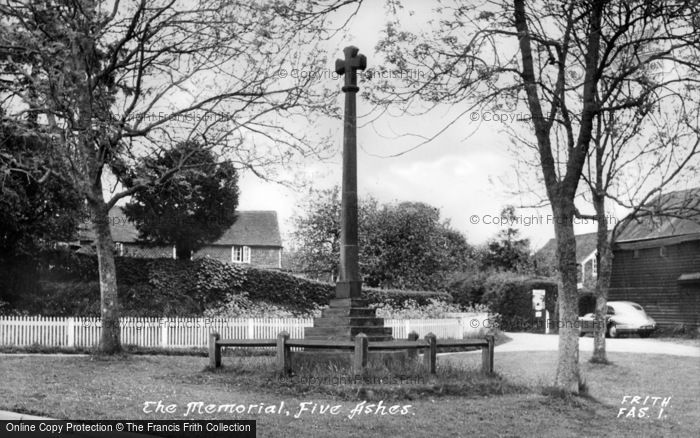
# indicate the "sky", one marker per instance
pixel 468 172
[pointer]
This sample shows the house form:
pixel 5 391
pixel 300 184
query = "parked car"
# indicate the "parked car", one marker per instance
pixel 623 317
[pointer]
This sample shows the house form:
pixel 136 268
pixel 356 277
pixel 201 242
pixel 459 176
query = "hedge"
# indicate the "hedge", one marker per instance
pixel 66 284
pixel 510 295
pixel 397 298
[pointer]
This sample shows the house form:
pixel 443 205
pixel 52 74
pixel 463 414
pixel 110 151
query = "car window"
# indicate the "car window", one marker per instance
pixel 627 308
pixel 611 311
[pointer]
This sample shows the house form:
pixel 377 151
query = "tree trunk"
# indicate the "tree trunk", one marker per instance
pixel 604 260
pixel 567 376
pixel 110 342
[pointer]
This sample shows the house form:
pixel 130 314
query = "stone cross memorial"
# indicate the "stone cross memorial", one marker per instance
pixel 348 314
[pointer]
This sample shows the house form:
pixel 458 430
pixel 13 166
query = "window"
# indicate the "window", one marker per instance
pixel 240 254
pixel 662 251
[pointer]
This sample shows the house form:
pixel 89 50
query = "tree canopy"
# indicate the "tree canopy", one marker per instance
pixel 36 212
pixel 507 251
pixel 404 245
pixel 194 207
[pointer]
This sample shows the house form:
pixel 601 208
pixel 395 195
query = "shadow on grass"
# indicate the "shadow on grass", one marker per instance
pixel 600 361
pixel 398 380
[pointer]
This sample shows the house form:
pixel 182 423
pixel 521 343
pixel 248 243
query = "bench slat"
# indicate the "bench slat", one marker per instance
pixel 320 343
pixel 395 345
pixel 247 342
pixel 462 343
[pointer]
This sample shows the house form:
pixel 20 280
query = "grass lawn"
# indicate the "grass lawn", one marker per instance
pixel 89 388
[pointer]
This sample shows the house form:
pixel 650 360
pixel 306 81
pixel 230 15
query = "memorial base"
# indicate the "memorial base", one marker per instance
pixel 346 318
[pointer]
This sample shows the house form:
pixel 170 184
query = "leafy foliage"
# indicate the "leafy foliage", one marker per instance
pixel 36 209
pixel 410 248
pixel 279 288
pixel 316 233
pixel 468 287
pixel 241 306
pixel 397 297
pixel 507 252
pixel 410 309
pixel 193 207
pixel 402 246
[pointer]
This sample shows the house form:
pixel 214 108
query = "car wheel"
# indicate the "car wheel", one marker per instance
pixel 644 334
pixel 612 331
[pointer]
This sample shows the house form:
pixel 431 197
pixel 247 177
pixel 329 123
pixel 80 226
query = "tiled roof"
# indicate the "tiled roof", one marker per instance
pixel 670 214
pixel 252 228
pixel 585 245
pixel 677 214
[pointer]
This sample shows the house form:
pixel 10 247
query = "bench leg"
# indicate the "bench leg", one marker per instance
pixel 413 352
pixel 360 354
pixel 284 354
pixel 214 351
pixel 430 355
pixel 487 356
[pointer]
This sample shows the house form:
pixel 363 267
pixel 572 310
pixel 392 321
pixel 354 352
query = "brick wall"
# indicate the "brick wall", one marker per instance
pixel 260 256
pixel 218 252
pixel 265 257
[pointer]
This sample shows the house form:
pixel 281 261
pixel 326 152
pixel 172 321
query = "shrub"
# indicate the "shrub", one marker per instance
pixel 298 294
pixel 65 299
pixel 397 298
pixel 467 288
pixel 510 296
pixel 412 310
pixel 241 306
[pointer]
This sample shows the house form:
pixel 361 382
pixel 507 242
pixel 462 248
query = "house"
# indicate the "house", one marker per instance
pixel 657 260
pixel 253 239
pixel 586 258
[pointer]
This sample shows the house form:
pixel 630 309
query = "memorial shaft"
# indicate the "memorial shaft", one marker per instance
pixel 349 263
pixel 349 284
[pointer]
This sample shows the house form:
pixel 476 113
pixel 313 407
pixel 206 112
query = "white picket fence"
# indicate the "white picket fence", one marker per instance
pixel 190 332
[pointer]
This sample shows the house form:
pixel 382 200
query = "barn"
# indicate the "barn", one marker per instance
pixel 657 261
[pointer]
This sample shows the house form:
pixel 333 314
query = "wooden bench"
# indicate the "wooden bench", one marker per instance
pixel 360 347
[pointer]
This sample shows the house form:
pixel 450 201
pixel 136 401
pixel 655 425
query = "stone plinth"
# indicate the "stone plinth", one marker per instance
pixel 347 317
